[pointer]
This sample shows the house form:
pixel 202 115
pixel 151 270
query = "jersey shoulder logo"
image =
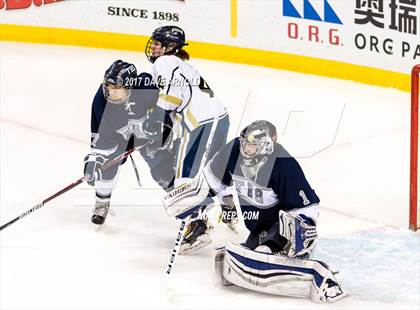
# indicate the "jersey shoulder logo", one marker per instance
pixel 128 107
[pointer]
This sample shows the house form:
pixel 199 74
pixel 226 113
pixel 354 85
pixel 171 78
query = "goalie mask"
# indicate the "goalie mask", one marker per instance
pixel 257 143
pixel 118 82
pixel 257 139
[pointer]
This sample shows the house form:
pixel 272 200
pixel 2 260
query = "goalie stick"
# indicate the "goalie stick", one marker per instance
pixel 107 165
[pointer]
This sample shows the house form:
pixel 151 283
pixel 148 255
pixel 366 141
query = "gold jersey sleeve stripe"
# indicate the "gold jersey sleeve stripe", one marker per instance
pixel 191 118
pixel 171 99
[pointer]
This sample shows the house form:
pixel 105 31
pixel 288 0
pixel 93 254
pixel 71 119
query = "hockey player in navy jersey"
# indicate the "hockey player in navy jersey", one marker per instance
pixel 268 180
pixel 271 186
pixel 119 109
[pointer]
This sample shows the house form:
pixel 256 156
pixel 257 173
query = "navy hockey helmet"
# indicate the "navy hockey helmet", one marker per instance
pixel 258 139
pixel 172 39
pixel 118 82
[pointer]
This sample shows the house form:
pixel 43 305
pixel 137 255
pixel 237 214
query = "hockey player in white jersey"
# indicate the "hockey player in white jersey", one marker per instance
pixel 200 120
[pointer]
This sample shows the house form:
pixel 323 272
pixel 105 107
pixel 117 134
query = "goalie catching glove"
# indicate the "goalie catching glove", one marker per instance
pixel 300 232
pixel 298 227
pixel 92 168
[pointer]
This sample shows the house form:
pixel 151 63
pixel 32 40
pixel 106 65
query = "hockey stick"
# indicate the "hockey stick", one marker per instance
pixel 185 219
pixel 107 165
pixel 136 171
pixel 177 245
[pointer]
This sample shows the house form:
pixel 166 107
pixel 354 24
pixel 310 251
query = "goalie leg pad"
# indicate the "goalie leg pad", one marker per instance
pixel 185 199
pixel 259 272
pixel 218 261
pixel 280 275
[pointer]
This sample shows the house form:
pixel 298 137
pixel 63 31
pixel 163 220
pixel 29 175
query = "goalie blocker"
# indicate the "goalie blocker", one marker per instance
pixel 275 274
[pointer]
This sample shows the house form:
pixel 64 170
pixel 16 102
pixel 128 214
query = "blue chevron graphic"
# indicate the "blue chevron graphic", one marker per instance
pixel 330 16
pixel 309 11
pixel 289 9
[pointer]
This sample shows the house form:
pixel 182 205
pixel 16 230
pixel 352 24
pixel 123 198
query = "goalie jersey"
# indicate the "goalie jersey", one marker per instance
pixel 275 183
pixel 114 125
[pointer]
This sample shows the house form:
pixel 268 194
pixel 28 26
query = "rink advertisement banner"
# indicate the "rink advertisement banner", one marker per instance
pixel 348 39
pixel 23 4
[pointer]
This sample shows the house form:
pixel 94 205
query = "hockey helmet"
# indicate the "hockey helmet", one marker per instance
pixel 257 139
pixel 118 83
pixel 171 38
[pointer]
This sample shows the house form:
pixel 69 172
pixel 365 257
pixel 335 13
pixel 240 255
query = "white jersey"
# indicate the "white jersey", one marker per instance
pixel 185 92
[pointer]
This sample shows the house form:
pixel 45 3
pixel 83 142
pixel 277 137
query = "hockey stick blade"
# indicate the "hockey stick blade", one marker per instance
pixel 136 171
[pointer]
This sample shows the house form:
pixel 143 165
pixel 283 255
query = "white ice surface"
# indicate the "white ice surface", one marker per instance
pixel 351 139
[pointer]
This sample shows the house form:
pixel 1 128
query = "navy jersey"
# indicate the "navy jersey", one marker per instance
pixel 278 184
pixel 112 125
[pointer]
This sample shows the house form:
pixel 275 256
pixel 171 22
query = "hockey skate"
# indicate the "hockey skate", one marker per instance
pixel 196 236
pixel 100 211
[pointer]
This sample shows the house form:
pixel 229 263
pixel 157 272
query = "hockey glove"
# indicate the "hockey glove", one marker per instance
pixel 300 232
pixel 152 129
pixel 91 171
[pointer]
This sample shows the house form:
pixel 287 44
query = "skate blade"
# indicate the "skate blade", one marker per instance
pixel 96 227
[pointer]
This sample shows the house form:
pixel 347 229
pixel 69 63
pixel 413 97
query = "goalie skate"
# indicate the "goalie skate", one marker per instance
pixel 196 236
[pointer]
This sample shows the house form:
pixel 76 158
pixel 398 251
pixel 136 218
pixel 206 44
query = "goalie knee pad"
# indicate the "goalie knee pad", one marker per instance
pixel 276 274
